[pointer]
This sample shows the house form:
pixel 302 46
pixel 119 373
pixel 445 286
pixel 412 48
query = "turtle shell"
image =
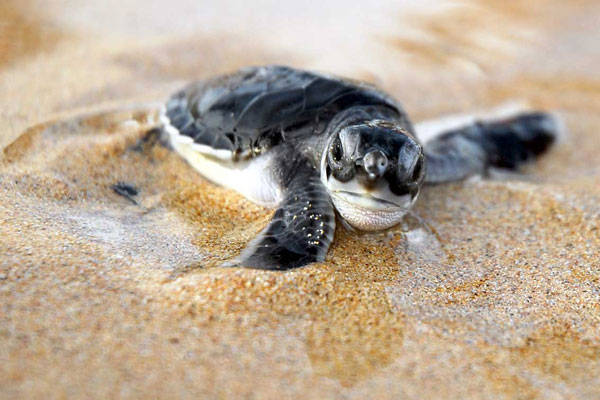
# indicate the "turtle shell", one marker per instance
pixel 256 108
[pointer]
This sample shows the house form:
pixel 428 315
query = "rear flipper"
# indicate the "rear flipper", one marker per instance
pixel 472 149
pixel 301 229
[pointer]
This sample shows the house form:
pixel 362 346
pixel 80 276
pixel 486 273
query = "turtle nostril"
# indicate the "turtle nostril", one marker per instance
pixel 375 163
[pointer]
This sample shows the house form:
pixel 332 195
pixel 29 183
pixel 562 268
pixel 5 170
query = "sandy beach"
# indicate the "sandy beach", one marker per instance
pixel 491 291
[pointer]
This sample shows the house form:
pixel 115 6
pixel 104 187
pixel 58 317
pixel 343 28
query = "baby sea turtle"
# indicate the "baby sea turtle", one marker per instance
pixel 309 144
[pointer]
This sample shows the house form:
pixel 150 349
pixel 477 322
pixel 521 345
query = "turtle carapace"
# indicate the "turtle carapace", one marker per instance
pixel 309 144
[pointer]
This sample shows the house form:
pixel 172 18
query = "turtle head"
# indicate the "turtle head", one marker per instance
pixel 373 172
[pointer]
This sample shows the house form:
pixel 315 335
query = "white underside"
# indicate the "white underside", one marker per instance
pixel 252 178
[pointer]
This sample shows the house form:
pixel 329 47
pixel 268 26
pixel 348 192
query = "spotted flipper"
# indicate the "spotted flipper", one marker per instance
pixel 472 149
pixel 303 225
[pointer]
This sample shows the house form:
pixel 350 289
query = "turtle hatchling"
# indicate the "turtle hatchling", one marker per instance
pixel 311 145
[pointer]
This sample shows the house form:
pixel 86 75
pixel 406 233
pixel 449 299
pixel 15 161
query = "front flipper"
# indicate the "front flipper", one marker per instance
pixel 472 149
pixel 302 227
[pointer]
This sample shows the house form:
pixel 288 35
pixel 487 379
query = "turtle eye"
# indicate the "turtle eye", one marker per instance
pixel 342 169
pixel 335 153
pixel 409 163
pixel 418 170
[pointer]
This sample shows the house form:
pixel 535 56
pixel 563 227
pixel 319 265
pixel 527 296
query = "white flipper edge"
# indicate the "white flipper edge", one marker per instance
pixel 430 129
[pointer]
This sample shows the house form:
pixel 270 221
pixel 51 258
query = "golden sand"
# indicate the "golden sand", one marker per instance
pixel 494 294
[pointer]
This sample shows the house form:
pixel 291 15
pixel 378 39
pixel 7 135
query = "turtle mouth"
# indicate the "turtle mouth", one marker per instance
pixel 369 202
pixel 369 209
pixel 369 213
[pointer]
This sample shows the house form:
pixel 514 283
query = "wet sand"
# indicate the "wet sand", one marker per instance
pixel 494 294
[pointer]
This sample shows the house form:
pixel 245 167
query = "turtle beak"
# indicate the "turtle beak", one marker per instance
pixel 375 164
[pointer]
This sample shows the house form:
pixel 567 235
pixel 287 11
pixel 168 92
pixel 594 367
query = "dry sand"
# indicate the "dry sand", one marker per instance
pixel 495 295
